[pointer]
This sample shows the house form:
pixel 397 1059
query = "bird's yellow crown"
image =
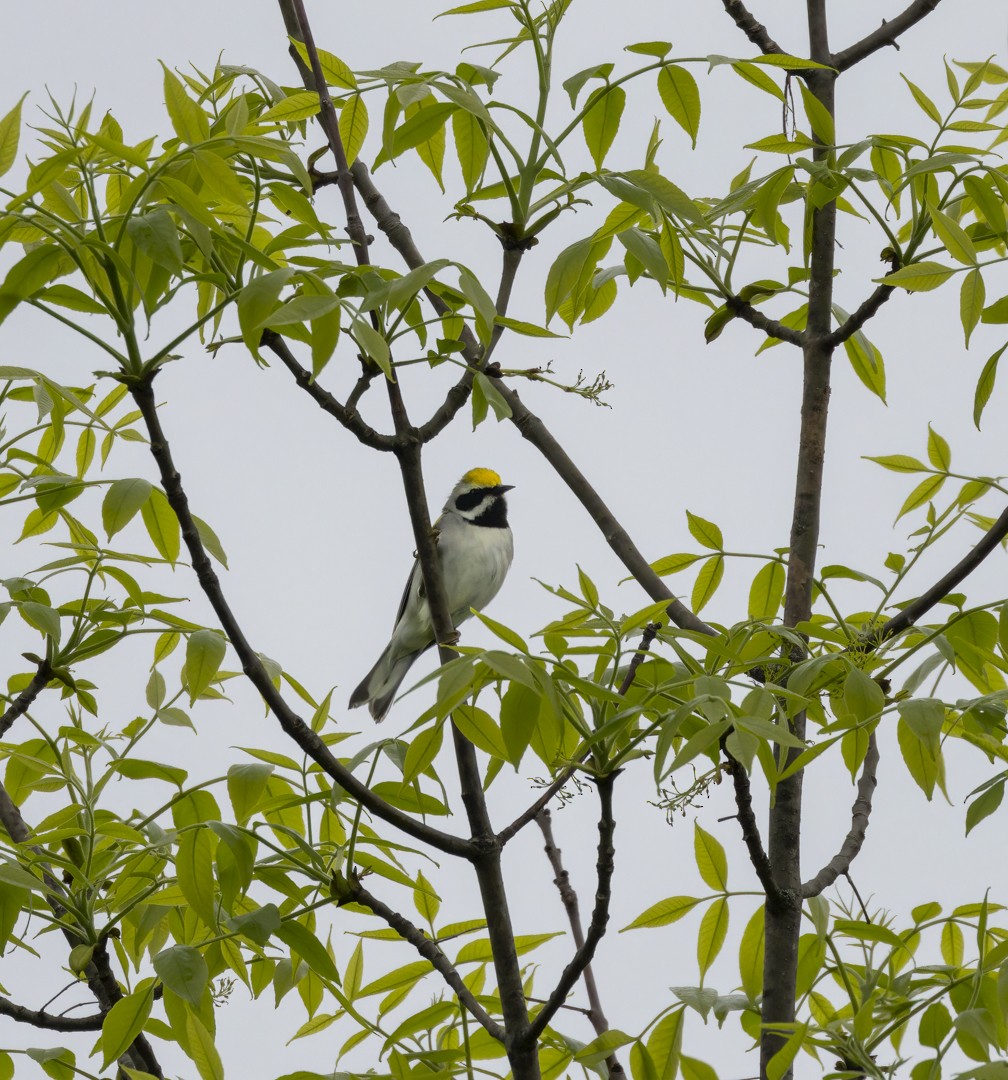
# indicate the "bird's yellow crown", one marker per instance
pixel 482 478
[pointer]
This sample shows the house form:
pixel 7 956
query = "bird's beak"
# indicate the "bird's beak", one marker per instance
pixel 505 487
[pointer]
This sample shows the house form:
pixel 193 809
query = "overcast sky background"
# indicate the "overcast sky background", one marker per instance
pixel 316 530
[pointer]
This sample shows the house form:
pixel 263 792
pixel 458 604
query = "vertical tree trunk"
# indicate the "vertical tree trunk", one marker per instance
pixel 783 909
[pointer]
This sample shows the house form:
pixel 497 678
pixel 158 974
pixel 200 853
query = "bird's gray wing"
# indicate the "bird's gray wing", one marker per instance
pixel 414 574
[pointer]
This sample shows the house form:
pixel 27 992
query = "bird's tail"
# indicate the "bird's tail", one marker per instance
pixel 379 686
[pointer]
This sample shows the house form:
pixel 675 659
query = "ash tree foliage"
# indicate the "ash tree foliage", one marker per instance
pixel 289 875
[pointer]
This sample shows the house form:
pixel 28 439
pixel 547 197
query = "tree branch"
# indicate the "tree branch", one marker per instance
pixel 962 569
pixel 429 950
pixel 860 813
pixel 750 828
pixel 771 327
pixel 600 914
pixel 569 899
pixel 755 31
pixel 39 1018
pixel 886 34
pixel 22 703
pixel 252 666
pixel 855 321
pixel 349 417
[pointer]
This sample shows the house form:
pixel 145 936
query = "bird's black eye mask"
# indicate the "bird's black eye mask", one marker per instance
pixel 469 500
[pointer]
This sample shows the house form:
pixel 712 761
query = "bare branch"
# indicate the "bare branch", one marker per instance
pixel 429 950
pixel 569 899
pixel 886 34
pixel 860 813
pixel 755 31
pixel 854 323
pixel 962 569
pixel 346 415
pixel 600 914
pixel 289 721
pixel 22 703
pixel 771 327
pixel 750 827
pixel 39 1018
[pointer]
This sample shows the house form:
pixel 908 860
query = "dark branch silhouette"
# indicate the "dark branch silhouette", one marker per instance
pixel 23 702
pixel 754 30
pixel 45 1021
pixel 885 35
pixel 860 813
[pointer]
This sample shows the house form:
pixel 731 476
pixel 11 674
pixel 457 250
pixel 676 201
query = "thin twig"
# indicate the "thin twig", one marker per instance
pixel 755 31
pixel 962 569
pixel 22 703
pixel 886 34
pixel 856 320
pixel 750 828
pixel 39 1018
pixel 860 813
pixel 771 327
pixel 569 899
pixel 347 414
pixel 429 950
pixel 600 913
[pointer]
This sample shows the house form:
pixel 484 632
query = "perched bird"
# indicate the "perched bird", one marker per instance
pixel 476 547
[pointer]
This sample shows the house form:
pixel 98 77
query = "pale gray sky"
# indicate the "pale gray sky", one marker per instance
pixel 317 535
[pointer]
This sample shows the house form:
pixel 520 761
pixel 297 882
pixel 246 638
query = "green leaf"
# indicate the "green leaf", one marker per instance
pixel 246 785
pixel 953 236
pixel 985 385
pixel 601 121
pixel 705 532
pixel 601 1047
pixel 919 276
pixel 710 859
pixel 255 303
pixel 479 728
pixel 183 971
pixel 187 118
pixel 751 949
pixel 156 235
pixel 525 328
pixel 972 295
pixel 194 870
pixel 305 944
pixel 10 133
pixel 680 95
pixel 201 1049
pixel 781 1062
pixel 471 147
pixel 900 463
pixel 664 912
pixel 712 934
pixel 422 125
pixel 707 582
pixel 923 760
pixel 938 450
pixel 123 1022
pixel 209 540
pixel 867 363
pixel 922 493
pixel 122 500
pixel 672 564
pixel 302 105
pixel 422 751
pixel 205 650
pixel 374 346
pixel 923 101
pixel 819 116
pixel 138 769
pixel 353 126
pixel 767 591
pixel 162 525
pixel 335 71
pixel 426 900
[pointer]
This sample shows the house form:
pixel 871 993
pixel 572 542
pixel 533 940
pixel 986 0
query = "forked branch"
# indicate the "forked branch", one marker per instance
pixel 885 35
